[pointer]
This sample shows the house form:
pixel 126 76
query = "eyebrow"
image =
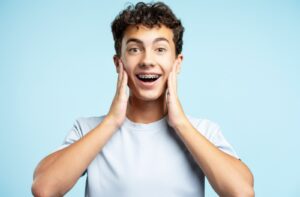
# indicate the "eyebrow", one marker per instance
pixel 161 39
pixel 141 42
pixel 134 40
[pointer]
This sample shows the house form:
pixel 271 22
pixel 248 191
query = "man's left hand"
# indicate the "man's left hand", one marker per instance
pixel 176 115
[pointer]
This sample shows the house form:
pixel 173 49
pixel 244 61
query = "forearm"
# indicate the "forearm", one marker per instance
pixel 227 175
pixel 57 173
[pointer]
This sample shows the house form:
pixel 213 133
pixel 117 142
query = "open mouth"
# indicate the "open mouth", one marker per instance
pixel 148 77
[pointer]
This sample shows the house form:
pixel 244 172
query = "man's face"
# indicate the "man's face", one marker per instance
pixel 148 55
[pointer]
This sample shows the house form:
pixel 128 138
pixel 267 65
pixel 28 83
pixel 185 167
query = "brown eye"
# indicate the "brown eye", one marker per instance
pixel 134 50
pixel 161 50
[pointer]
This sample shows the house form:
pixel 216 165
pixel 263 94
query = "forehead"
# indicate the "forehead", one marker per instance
pixel 146 34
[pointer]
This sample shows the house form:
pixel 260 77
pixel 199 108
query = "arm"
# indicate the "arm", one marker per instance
pixel 57 173
pixel 227 175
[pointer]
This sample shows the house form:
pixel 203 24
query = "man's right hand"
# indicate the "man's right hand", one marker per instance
pixel 58 172
pixel 117 111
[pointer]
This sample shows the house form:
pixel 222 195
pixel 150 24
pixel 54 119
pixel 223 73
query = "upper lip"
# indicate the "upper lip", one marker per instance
pixel 148 73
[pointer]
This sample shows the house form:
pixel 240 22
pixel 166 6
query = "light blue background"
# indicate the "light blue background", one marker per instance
pixel 241 69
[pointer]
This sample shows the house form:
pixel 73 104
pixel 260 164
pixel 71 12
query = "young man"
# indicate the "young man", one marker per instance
pixel 146 145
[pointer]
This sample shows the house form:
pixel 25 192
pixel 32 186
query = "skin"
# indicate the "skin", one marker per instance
pixel 144 50
pixel 147 50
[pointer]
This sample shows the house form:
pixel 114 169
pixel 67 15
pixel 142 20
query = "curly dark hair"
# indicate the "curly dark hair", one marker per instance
pixel 149 15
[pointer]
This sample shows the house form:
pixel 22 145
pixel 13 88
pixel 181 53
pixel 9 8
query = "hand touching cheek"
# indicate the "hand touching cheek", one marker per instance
pixel 176 115
pixel 117 112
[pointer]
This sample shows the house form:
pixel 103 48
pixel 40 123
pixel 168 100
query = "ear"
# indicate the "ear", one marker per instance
pixel 179 59
pixel 116 62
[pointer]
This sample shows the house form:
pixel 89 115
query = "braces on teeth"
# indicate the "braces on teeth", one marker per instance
pixel 148 76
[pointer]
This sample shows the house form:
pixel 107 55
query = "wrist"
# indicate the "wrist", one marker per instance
pixel 181 124
pixel 112 121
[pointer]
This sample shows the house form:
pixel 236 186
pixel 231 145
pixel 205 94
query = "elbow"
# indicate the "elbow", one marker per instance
pixel 251 193
pixel 42 189
pixel 37 190
pixel 247 189
pixel 245 192
pixel 239 191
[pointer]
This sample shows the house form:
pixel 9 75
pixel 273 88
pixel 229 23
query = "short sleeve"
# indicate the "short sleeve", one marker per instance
pixel 75 134
pixel 214 134
pixel 219 141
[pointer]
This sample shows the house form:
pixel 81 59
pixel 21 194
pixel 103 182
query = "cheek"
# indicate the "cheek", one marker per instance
pixel 129 62
pixel 127 66
pixel 167 63
pixel 168 68
pixel 130 74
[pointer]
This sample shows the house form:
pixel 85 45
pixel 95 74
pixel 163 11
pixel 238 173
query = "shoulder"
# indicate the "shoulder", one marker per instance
pixel 213 133
pixel 206 127
pixel 85 124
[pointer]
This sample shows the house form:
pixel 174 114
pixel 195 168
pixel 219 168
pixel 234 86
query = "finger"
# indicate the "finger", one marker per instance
pixel 175 77
pixel 124 83
pixel 120 74
pixel 170 84
pixel 167 96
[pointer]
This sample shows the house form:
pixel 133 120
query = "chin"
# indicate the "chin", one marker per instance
pixel 150 95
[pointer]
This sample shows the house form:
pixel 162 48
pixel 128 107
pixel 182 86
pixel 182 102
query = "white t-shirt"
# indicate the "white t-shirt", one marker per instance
pixel 146 160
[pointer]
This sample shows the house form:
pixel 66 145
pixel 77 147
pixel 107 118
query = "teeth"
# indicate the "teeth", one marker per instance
pixel 148 76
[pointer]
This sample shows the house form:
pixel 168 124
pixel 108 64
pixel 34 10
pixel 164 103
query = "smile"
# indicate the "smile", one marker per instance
pixel 148 77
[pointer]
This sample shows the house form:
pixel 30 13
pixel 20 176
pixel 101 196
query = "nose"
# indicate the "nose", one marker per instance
pixel 147 60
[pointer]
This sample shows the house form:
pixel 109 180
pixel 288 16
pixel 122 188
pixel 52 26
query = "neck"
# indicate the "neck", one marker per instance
pixel 146 111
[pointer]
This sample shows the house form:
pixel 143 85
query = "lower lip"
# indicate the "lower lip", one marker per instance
pixel 147 85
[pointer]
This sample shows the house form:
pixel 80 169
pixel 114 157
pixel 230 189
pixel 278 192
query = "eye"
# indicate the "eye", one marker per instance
pixel 161 50
pixel 134 50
